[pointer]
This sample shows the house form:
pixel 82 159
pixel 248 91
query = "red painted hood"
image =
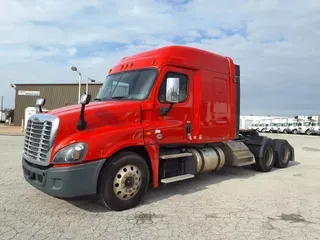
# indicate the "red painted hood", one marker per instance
pixel 100 117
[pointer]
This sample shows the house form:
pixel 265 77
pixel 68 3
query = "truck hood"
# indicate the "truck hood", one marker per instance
pixel 113 114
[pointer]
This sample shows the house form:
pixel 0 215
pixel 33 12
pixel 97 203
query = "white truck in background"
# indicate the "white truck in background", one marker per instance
pixel 261 126
pixel 275 125
pixel 3 117
pixel 304 125
pixel 266 125
pixel 254 126
pixel 292 125
pixel 315 128
pixel 283 125
pixel 315 125
pixel 269 127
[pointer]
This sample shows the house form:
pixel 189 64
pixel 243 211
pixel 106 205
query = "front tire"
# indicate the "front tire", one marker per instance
pixel 124 182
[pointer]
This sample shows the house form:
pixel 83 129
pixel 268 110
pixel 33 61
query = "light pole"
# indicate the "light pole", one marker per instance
pixel 91 80
pixel 80 81
pixel 1 109
pixel 13 86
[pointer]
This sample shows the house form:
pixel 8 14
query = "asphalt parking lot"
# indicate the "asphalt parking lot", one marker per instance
pixel 234 203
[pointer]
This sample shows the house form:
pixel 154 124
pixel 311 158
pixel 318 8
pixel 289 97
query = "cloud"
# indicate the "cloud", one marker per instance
pixel 72 51
pixel 276 43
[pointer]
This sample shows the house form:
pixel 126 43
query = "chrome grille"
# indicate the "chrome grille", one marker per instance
pixel 39 137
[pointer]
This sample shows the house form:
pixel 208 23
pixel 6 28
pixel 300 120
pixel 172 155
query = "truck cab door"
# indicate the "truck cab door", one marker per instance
pixel 172 123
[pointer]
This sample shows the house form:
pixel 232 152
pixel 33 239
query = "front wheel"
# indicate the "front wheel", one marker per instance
pixel 124 182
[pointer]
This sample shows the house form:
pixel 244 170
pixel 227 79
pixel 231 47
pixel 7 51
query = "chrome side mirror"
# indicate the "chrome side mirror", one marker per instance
pixel 85 99
pixel 40 102
pixel 172 91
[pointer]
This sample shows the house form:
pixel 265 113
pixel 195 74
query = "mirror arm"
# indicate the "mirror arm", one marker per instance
pixel 81 123
pixel 164 111
pixel 85 99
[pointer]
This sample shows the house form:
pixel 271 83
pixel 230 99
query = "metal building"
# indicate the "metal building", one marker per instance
pixel 56 95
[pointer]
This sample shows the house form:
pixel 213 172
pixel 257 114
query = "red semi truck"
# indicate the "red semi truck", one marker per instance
pixel 161 116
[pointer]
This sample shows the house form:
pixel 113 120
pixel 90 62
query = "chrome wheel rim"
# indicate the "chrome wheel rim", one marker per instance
pixel 285 154
pixel 269 156
pixel 127 182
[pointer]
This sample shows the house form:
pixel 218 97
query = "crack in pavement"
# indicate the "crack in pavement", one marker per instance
pixel 292 218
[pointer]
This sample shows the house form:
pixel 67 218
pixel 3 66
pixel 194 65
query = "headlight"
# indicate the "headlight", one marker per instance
pixel 72 153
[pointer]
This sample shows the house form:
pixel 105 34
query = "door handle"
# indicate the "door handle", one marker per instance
pixel 188 131
pixel 188 128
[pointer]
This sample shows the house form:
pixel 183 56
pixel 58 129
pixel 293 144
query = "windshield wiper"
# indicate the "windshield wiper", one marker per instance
pixel 120 97
pixel 97 99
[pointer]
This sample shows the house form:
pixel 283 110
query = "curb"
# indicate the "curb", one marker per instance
pixel 11 135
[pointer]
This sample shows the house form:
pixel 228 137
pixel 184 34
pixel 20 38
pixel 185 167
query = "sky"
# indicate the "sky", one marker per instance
pixel 276 43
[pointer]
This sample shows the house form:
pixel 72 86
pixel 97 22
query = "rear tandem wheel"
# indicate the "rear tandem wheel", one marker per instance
pixel 270 153
pixel 265 156
pixel 283 153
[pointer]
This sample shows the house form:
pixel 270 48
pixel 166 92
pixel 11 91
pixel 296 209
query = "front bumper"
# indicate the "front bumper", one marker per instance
pixel 301 131
pixel 64 182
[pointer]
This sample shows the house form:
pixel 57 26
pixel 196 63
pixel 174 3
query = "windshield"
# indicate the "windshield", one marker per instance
pixel 134 85
pixel 306 124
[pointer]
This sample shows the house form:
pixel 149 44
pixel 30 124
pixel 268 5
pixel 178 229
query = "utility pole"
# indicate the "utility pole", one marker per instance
pixel 73 68
pixel 1 103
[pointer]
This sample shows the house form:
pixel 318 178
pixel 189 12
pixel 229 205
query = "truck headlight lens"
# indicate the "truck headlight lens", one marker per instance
pixel 72 153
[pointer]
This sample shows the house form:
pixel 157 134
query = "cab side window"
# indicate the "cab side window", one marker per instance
pixel 183 87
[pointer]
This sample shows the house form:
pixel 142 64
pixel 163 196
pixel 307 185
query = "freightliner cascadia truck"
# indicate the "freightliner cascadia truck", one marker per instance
pixel 161 116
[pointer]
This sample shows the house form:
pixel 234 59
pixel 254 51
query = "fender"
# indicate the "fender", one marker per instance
pixel 105 141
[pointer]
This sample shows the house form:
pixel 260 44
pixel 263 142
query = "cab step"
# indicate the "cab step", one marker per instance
pixel 177 178
pixel 177 155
